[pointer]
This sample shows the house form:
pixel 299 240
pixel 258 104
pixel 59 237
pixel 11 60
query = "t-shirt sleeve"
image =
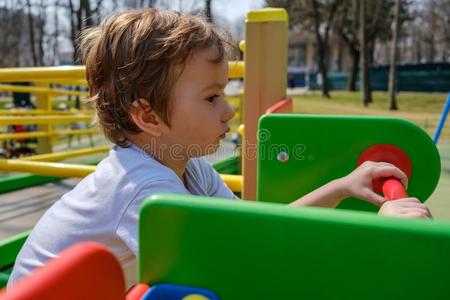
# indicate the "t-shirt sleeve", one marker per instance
pixel 214 184
pixel 128 224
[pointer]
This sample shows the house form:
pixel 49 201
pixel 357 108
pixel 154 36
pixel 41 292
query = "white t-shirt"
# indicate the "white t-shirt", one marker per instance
pixel 104 207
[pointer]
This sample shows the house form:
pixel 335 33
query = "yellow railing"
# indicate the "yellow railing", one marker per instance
pixel 23 112
pixel 40 134
pixel 71 75
pixel 41 90
pixel 45 115
pixel 50 157
pixel 43 120
pixel 80 171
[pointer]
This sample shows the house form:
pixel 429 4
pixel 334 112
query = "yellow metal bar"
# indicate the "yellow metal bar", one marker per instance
pixel 43 101
pixel 234 182
pixel 236 69
pixel 57 156
pixel 52 74
pixel 37 134
pixel 23 135
pixel 241 129
pixel 75 132
pixel 242 45
pixel 33 73
pixel 46 168
pixel 40 90
pixel 43 120
pixel 80 171
pixel 71 82
pixel 21 112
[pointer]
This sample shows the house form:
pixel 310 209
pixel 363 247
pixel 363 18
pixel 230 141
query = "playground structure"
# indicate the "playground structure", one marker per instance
pixel 255 250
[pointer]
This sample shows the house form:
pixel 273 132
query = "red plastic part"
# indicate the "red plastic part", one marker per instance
pixel 137 291
pixel 394 189
pixel 390 187
pixel 282 106
pixel 85 271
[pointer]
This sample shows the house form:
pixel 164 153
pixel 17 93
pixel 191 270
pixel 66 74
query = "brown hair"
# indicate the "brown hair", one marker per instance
pixel 140 54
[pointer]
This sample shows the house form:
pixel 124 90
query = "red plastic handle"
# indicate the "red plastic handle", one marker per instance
pixel 393 189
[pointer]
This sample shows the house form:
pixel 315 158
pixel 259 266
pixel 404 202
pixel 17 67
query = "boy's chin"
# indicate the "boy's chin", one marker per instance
pixel 207 150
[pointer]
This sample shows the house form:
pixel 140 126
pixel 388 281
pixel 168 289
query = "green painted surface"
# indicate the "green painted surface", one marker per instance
pixel 9 249
pixel 230 165
pixel 253 250
pixel 323 148
pixel 21 181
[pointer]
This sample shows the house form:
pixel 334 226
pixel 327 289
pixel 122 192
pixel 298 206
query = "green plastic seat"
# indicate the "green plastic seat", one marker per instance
pixel 251 250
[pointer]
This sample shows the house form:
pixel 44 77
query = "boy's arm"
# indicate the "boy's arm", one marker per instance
pixel 357 184
pixel 328 195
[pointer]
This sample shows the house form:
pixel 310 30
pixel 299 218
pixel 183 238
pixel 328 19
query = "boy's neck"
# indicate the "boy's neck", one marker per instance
pixel 163 156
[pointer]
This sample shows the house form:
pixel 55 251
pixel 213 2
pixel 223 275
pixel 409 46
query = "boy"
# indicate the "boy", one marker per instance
pixel 157 79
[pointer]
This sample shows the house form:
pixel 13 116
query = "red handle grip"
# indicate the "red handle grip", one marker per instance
pixel 393 189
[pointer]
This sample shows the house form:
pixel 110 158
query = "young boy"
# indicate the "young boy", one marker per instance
pixel 157 79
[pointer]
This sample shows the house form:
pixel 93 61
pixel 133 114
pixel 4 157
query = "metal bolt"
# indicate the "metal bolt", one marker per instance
pixel 283 157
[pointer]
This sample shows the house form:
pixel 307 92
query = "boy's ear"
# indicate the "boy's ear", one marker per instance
pixel 146 118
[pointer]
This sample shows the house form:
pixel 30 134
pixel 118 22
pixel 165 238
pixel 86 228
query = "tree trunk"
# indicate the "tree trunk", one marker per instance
pixel 321 49
pixel 364 73
pixel 208 11
pixel 32 38
pixel 351 84
pixel 393 62
pixel 41 31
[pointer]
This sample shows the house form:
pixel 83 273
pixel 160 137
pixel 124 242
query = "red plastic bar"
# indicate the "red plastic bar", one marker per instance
pixel 137 291
pixel 284 106
pixel 393 189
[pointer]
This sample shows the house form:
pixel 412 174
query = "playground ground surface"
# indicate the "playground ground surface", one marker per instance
pixel 423 109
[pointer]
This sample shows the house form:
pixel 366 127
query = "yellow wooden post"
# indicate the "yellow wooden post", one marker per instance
pixel 265 80
pixel 43 101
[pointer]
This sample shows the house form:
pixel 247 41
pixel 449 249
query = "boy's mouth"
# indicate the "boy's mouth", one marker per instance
pixel 222 136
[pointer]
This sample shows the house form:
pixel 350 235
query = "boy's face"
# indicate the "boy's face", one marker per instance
pixel 199 113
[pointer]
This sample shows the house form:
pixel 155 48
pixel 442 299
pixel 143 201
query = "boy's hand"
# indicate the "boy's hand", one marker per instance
pixel 358 184
pixel 405 208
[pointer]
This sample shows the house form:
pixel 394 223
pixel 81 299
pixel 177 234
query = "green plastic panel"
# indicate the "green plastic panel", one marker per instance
pixel 322 148
pixel 252 250
pixel 229 165
pixel 9 248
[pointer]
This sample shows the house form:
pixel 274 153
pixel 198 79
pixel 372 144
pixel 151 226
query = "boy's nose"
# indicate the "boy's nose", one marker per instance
pixel 229 112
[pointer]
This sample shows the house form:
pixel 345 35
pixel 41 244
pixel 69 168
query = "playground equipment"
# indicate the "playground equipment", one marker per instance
pixel 442 119
pixel 329 147
pixel 247 250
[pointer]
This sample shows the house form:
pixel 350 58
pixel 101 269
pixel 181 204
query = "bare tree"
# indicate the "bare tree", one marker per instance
pixel 378 30
pixel 323 19
pixel 393 66
pixel 364 65
pixel 31 33
pixel 81 17
pixel 208 11
pixel 348 29
pixel 11 39
pixel 317 16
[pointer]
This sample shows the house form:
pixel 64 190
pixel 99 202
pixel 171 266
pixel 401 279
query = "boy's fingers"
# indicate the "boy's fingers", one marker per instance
pixel 391 171
pixel 374 198
pixel 422 211
pixel 409 200
pixel 415 215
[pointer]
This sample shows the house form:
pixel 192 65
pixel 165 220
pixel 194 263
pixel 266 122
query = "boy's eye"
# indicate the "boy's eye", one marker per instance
pixel 212 98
